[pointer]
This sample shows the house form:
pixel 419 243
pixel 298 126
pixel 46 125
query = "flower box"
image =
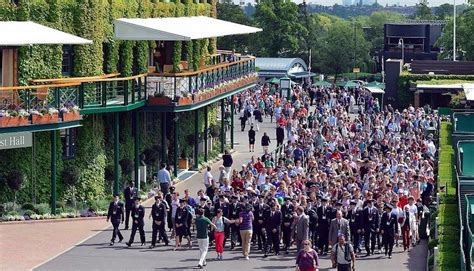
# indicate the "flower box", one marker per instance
pixel 46 118
pixel 13 121
pixel 183 163
pixel 185 100
pixel 159 100
pixel 71 116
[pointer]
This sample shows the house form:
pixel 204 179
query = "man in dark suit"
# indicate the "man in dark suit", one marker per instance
pixel 388 228
pixel 323 226
pixel 138 213
pixel 370 220
pixel 115 214
pixel 158 213
pixel 273 225
pixel 261 210
pixel 129 193
pixel 354 215
pixel 312 213
pixel 287 211
pixel 234 211
pixel 280 135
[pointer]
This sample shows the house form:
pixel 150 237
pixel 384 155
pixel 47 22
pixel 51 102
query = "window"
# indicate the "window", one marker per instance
pixel 68 60
pixel 68 140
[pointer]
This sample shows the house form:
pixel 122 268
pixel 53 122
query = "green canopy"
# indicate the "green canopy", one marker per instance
pixel 376 84
pixel 347 84
pixel 322 84
pixel 274 80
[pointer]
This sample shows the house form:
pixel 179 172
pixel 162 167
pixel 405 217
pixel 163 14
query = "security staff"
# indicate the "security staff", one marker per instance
pixel 234 210
pixel 261 210
pixel 388 228
pixel 370 220
pixel 115 214
pixel 287 211
pixel 323 226
pixel 273 227
pixel 129 194
pixel 312 212
pixel 158 213
pixel 354 215
pixel 138 213
pixel 181 222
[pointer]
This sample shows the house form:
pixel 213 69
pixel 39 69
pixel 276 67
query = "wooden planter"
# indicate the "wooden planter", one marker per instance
pixel 71 116
pixel 159 100
pixel 183 163
pixel 13 121
pixel 185 100
pixel 47 118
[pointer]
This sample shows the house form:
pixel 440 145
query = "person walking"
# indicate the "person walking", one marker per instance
pixel 245 222
pixel 273 229
pixel 339 225
pixel 280 135
pixel 251 139
pixel 227 162
pixel 307 259
pixel 209 181
pixel 115 214
pixel 202 235
pixel 301 228
pixel 164 178
pixel 158 213
pixel 388 229
pixel 342 255
pixel 265 142
pixel 219 233
pixel 181 223
pixel 138 213
pixel 129 194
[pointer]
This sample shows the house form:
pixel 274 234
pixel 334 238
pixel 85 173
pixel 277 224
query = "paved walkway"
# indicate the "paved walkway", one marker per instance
pixel 96 254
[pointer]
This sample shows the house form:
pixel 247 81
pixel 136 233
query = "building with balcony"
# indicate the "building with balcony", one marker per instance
pixel 122 94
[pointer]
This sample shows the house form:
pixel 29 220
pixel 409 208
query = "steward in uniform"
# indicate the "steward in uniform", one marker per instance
pixel 138 213
pixel 115 214
pixel 158 213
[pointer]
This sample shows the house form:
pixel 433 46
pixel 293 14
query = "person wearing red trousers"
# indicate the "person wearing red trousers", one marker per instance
pixel 219 233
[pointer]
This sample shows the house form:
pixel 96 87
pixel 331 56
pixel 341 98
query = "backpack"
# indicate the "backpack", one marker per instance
pixel 347 257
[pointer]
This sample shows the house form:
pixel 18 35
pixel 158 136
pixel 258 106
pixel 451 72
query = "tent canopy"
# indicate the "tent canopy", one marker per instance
pixel 322 84
pixel 274 80
pixel 375 90
pixel 14 33
pixel 178 28
pixel 347 84
pixel 376 84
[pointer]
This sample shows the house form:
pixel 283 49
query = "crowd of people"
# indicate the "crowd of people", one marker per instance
pixel 352 177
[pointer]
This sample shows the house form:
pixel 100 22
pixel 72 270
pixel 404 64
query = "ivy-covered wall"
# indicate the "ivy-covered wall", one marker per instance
pixel 92 19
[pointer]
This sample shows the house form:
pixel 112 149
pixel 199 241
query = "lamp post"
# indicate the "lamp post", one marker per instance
pixel 454 32
pixel 402 45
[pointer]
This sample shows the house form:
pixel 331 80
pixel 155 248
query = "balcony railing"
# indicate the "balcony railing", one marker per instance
pixel 193 87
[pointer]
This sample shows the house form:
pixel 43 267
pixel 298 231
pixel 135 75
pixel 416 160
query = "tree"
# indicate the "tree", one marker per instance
pixel 71 177
pixel 444 11
pixel 281 26
pixel 464 34
pixel 423 11
pixel 234 13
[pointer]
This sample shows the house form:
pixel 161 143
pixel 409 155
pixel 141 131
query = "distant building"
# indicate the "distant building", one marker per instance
pixel 418 38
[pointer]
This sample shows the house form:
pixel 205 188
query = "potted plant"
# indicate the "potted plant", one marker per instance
pixel 44 115
pixel 185 99
pixel 13 118
pixel 70 112
pixel 159 99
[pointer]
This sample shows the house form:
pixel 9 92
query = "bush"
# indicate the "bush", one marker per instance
pixel 15 179
pixel 98 205
pixel 12 213
pixel 29 213
pixel 127 166
pixel 28 206
pixel 432 244
pixel 71 175
pixel 42 209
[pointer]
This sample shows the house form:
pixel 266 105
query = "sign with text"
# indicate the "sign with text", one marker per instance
pixel 355 70
pixel 16 140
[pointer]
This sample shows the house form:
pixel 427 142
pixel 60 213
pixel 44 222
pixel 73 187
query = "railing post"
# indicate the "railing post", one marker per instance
pixel 435 258
pixel 56 97
pixel 81 95
pixel 145 92
pixel 174 98
pixel 125 92
pixel 104 93
pixel 28 99
pixel 140 89
pixel 53 172
pixel 133 90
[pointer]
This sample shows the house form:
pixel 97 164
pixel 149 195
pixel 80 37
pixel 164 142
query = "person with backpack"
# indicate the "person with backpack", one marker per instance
pixel 343 256
pixel 307 258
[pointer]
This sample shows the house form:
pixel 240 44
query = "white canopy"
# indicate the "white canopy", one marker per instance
pixel 469 91
pixel 375 90
pixel 28 33
pixel 178 28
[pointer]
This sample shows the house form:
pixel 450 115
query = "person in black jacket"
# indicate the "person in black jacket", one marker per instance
pixel 234 211
pixel 181 222
pixel 251 139
pixel 158 213
pixel 388 228
pixel 265 142
pixel 138 213
pixel 323 226
pixel 261 210
pixel 273 226
pixel 227 162
pixel 129 193
pixel 287 211
pixel 115 214
pixel 280 135
pixel 312 212
pixel 370 220
pixel 354 215
pixel 258 117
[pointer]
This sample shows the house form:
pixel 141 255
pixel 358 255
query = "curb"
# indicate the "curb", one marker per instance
pixel 51 220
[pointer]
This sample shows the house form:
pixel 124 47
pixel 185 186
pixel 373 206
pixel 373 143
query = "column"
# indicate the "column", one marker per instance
pixel 196 138
pixel 222 126
pixel 53 172
pixel 164 156
pixel 175 152
pixel 232 121
pixel 206 129
pixel 116 152
pixel 136 137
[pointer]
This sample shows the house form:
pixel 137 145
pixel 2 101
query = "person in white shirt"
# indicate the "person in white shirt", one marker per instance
pixel 208 178
pixel 414 222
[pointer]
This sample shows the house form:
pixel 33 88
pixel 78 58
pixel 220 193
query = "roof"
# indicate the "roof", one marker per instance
pixel 13 33
pixel 275 66
pixel 446 86
pixel 177 28
pixel 375 90
pixel 469 91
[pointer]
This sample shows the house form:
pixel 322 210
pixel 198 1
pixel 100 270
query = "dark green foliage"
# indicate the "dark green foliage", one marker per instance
pixel 15 179
pixel 27 206
pixel 29 213
pixel 127 166
pixel 71 175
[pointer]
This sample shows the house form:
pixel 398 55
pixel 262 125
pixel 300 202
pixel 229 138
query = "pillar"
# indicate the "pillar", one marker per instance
pixel 206 130
pixel 164 156
pixel 175 152
pixel 196 138
pixel 116 152
pixel 136 137
pixel 53 172
pixel 232 121
pixel 222 125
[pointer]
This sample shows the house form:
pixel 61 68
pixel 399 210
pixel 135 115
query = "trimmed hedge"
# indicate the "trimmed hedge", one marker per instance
pixel 448 213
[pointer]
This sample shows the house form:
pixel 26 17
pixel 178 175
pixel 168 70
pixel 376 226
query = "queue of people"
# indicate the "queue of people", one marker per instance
pixel 351 176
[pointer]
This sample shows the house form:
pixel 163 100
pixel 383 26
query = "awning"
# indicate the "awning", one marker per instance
pixel 469 91
pixel 301 74
pixel 14 33
pixel 375 90
pixel 322 84
pixel 178 28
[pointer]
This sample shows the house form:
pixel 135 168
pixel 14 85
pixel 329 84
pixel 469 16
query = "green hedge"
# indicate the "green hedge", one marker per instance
pixel 448 213
pixel 405 97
